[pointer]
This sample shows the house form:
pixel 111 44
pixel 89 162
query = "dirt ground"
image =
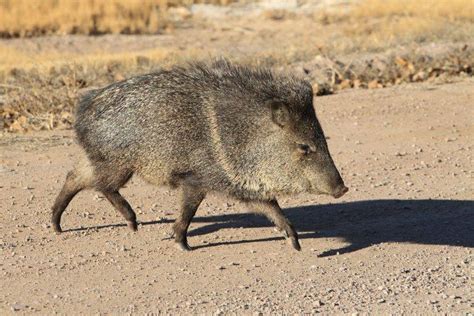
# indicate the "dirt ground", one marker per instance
pixel 400 241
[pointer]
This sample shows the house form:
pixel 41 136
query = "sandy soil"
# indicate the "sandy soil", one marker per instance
pixel 400 241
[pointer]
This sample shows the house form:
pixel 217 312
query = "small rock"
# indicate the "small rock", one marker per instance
pixel 318 303
pixel 17 307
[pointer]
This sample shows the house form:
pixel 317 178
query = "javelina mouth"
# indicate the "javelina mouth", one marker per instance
pixel 340 192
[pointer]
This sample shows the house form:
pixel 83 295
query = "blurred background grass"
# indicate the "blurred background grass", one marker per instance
pixel 370 25
pixel 26 18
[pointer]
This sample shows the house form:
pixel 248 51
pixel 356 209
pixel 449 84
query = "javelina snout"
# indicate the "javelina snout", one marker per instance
pixel 325 179
pixel 331 181
pixel 312 154
pixel 249 133
pixel 340 191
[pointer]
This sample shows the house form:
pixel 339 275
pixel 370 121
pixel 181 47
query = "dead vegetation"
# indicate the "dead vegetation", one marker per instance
pixel 26 18
pixel 433 63
pixel 375 44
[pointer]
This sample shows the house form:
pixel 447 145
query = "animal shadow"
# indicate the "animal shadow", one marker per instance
pixel 365 223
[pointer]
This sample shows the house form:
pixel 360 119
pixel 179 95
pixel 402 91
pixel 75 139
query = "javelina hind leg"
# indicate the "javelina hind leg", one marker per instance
pixel 272 210
pixel 71 187
pixel 123 207
pixel 190 200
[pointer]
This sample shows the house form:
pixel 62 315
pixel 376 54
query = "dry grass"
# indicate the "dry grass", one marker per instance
pixel 26 18
pixel 12 58
pixel 432 9
pixel 378 24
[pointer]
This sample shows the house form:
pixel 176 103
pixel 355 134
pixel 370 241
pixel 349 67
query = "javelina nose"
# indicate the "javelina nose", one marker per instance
pixel 340 191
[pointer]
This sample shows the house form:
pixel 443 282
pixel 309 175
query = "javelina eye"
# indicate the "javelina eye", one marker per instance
pixel 304 149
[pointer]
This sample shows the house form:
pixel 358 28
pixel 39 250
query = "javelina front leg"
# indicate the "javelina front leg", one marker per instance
pixel 123 207
pixel 190 200
pixel 273 212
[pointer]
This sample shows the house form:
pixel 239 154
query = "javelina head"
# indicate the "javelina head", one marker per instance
pixel 305 146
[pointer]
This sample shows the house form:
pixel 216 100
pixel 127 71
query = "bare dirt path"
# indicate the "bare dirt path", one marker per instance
pixel 400 241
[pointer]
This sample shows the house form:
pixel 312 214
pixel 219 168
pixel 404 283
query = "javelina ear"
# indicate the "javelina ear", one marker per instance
pixel 280 113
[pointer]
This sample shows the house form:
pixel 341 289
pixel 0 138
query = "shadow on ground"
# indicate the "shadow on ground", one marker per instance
pixel 362 223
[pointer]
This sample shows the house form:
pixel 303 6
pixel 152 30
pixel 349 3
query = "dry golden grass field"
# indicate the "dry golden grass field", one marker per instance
pixel 26 18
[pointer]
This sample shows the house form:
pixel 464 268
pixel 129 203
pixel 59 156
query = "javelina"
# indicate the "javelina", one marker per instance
pixel 249 133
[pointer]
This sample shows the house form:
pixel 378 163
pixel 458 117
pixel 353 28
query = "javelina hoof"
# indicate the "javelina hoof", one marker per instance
pixel 57 228
pixel 133 225
pixel 183 245
pixel 295 243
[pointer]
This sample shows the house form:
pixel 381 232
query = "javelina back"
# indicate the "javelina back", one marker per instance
pixel 249 133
